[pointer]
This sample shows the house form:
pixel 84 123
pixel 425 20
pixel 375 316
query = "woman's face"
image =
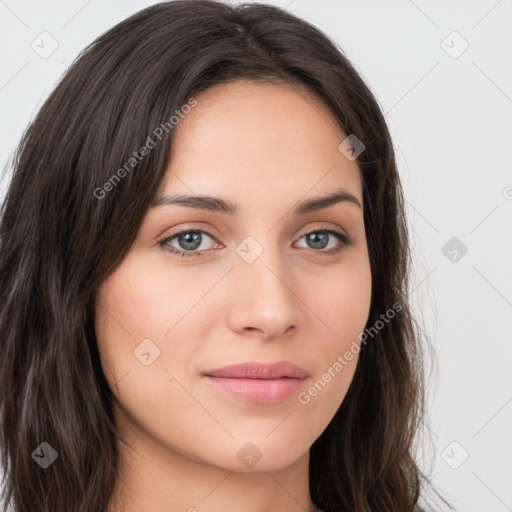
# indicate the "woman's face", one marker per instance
pixel 257 288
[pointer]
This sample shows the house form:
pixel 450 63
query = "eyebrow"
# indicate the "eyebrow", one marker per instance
pixel 223 206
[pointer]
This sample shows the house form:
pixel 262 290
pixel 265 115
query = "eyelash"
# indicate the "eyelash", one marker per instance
pixel 344 241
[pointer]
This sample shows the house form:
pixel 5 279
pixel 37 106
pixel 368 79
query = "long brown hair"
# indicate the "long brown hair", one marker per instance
pixel 61 238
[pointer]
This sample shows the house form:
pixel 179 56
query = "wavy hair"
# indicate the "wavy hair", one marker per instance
pixel 60 241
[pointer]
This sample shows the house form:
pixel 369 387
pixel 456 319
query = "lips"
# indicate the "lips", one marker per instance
pixel 257 382
pixel 278 370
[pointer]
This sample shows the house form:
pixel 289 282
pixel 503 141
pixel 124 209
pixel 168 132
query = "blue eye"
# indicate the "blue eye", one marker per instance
pixel 320 239
pixel 191 240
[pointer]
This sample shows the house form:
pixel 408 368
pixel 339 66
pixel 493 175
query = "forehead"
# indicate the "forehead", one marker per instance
pixel 259 137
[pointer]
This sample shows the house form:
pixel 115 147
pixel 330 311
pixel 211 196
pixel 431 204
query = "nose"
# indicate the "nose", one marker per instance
pixel 267 305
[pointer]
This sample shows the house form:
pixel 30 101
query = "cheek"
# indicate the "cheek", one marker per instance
pixel 142 301
pixel 343 305
pixel 136 312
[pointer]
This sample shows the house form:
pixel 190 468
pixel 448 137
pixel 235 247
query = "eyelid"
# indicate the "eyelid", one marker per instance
pixel 330 229
pixel 186 229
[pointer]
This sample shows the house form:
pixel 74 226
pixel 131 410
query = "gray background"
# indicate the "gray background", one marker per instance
pixel 450 114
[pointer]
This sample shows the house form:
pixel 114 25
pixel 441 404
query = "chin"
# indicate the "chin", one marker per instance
pixel 266 454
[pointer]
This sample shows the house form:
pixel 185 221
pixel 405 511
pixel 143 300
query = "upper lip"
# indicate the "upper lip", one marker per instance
pixel 255 370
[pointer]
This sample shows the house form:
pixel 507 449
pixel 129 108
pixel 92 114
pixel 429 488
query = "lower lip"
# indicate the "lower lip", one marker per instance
pixel 261 391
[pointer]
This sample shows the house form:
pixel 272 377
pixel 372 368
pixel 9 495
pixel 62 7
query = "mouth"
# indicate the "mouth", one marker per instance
pixel 258 382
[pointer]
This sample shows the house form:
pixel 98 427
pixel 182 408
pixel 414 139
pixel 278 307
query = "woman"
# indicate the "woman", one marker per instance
pixel 203 277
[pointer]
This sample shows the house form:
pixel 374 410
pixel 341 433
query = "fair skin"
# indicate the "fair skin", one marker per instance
pixel 264 148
